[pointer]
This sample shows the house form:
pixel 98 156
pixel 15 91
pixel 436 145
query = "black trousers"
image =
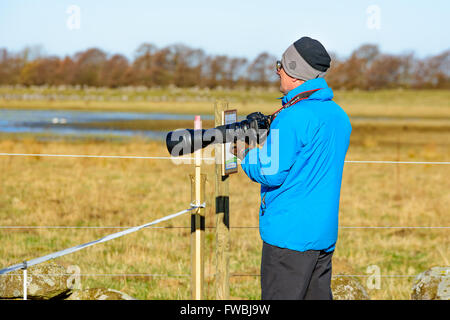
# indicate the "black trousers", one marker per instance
pixel 293 275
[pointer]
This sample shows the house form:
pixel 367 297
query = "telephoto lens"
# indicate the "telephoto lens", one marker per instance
pixel 185 141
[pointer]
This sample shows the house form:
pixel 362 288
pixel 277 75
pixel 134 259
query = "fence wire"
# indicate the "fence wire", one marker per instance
pixel 100 156
pixel 26 264
pixel 151 275
pixel 212 227
pixel 207 159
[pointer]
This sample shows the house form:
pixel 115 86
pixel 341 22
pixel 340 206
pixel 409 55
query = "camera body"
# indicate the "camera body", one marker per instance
pixel 254 128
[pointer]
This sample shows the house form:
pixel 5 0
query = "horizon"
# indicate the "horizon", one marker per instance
pixel 68 27
pixel 42 52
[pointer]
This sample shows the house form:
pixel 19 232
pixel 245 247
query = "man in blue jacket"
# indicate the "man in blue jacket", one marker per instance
pixel 300 169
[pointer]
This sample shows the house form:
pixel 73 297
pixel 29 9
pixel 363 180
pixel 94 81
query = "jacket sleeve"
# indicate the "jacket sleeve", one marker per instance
pixel 270 164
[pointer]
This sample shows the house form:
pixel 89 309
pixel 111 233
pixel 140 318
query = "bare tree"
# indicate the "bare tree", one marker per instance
pixel 143 64
pixel 262 70
pixel 115 72
pixel 88 65
pixel 183 66
pixel 384 72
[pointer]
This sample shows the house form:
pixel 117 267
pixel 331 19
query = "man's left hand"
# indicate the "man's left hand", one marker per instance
pixel 240 148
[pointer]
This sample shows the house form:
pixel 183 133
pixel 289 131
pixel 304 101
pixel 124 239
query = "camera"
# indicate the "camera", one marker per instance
pixel 253 129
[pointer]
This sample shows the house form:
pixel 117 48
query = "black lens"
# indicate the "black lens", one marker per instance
pixel 279 65
pixel 185 141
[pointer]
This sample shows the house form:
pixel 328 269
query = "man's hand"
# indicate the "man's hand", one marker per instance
pixel 241 148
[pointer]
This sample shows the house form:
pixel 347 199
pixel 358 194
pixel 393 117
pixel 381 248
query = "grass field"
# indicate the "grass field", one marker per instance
pixel 38 191
pixel 432 104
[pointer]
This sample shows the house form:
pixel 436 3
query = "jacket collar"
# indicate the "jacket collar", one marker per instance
pixel 325 94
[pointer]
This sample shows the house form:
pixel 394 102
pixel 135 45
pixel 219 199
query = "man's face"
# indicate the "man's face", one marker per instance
pixel 287 83
pixel 284 81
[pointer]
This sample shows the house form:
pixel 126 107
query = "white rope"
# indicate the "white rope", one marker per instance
pixel 209 159
pixel 381 275
pixel 361 227
pixel 185 227
pixel 344 275
pixel 397 162
pixel 98 156
pixel 187 275
pixel 394 227
pixel 102 275
pixel 81 227
pixel 57 254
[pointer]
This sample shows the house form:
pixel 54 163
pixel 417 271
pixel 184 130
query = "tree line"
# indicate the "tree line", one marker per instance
pixel 366 68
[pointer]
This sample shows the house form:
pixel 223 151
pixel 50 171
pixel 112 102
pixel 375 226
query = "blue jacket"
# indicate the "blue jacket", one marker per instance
pixel 300 169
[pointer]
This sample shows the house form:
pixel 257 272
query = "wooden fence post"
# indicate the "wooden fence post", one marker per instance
pixel 198 181
pixel 222 214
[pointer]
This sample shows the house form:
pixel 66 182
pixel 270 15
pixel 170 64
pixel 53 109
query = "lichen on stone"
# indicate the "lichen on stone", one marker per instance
pixel 433 284
pixel 44 281
pixel 348 288
pixel 99 294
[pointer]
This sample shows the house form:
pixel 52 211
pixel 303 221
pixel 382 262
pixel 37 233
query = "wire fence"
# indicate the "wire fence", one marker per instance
pixel 207 159
pixel 344 275
pixel 24 265
pixel 100 156
pixel 152 275
pixel 212 227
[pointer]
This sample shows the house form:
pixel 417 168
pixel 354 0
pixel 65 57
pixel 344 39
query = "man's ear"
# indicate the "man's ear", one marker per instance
pixel 297 80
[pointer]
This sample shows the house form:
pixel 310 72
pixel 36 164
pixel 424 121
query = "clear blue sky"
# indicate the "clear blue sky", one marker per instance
pixel 241 28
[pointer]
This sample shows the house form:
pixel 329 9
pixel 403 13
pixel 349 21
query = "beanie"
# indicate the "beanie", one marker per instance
pixel 306 59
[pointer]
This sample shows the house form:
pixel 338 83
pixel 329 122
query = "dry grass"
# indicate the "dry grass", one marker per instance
pixel 393 103
pixel 117 192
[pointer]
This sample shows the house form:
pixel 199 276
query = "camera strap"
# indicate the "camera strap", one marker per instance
pixel 301 96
